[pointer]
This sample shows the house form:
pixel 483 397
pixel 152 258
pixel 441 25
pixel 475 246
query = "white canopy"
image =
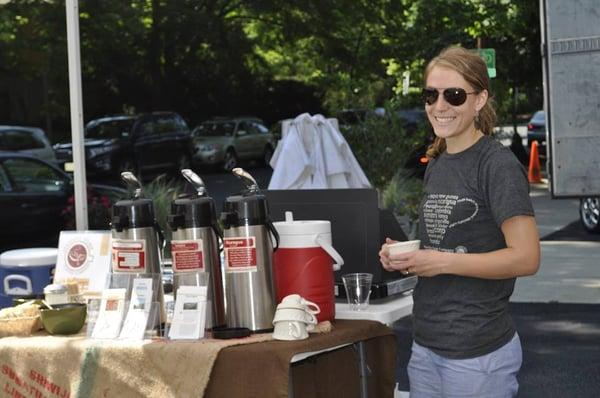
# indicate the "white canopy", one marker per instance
pixel 313 154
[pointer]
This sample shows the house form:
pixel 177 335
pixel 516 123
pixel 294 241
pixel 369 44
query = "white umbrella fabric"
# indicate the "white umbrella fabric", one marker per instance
pixel 313 154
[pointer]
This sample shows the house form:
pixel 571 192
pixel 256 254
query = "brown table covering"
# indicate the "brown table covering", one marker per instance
pixel 262 370
pixel 50 366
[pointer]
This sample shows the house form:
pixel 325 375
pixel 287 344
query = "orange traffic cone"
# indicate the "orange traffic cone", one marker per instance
pixel 534 175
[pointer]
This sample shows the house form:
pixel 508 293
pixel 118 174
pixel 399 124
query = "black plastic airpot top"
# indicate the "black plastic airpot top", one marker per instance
pixel 195 212
pixel 248 208
pixel 241 210
pixel 136 212
pixel 132 213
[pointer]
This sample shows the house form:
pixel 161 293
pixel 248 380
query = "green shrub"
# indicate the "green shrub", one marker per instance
pixel 383 145
pixel 163 191
pixel 403 196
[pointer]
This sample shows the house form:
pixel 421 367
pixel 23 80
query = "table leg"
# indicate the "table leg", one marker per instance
pixel 363 369
pixel 290 384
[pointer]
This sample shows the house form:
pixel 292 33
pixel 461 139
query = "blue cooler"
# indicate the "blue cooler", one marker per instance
pixel 25 273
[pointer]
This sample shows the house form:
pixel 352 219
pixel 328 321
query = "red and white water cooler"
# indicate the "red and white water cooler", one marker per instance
pixel 305 262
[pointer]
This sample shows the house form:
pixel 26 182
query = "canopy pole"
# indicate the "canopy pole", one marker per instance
pixel 79 176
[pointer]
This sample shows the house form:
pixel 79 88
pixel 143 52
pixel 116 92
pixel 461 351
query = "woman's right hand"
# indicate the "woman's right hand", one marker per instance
pixel 384 255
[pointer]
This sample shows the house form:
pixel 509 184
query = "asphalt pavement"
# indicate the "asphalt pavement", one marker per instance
pixel 223 184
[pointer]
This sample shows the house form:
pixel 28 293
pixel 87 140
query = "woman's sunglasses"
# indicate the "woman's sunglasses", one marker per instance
pixel 454 96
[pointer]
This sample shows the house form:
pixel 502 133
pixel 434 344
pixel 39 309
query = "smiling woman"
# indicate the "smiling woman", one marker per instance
pixel 477 235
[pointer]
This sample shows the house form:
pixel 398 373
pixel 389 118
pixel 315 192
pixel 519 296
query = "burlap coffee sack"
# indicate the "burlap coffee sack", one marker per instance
pixel 78 367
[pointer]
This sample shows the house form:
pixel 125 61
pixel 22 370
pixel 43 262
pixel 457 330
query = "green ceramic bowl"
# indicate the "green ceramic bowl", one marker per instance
pixel 64 318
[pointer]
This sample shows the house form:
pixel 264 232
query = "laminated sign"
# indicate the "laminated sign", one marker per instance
pixel 129 255
pixel 83 259
pixel 187 255
pixel 240 254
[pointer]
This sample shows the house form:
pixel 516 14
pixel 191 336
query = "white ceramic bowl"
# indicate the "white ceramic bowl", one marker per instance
pixel 403 247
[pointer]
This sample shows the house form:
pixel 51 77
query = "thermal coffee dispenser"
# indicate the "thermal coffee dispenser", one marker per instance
pixel 248 258
pixel 194 246
pixel 137 238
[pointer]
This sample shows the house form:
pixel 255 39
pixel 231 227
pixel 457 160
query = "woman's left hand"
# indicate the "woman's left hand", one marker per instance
pixel 419 262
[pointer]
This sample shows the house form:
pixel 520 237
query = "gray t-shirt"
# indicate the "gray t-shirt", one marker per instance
pixel 468 195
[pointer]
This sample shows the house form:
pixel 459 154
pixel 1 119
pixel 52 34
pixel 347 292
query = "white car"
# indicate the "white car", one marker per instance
pixel 27 140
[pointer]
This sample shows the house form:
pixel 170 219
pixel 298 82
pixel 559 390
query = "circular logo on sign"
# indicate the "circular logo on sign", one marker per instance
pixel 77 256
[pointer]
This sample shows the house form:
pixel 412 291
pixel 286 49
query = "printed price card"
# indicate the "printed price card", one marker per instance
pixel 240 254
pixel 189 318
pixel 187 255
pixel 112 307
pixel 136 321
pixel 129 255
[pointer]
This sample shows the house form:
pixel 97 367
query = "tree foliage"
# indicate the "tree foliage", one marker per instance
pixel 270 58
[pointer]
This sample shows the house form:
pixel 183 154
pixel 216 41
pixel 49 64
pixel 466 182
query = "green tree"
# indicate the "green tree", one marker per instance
pixel 272 58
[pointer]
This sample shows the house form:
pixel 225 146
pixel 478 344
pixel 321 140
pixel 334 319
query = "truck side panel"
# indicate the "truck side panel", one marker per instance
pixel 571 47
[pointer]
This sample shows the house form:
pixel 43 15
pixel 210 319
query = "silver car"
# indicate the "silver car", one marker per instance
pixel 226 142
pixel 27 140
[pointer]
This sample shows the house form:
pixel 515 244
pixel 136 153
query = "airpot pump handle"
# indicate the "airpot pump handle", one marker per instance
pixel 133 183
pixel 247 179
pixel 195 181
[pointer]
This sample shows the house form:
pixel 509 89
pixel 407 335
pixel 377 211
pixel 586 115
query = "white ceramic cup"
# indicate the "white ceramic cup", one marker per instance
pixel 290 330
pixel 297 314
pixel 403 247
pixel 295 300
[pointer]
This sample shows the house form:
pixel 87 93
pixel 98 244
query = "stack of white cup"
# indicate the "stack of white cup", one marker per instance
pixel 294 318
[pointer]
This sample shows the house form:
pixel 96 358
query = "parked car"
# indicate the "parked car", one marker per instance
pixel 27 140
pixel 150 142
pixel 276 130
pixel 36 199
pixel 227 141
pixel 349 117
pixel 415 120
pixel 536 131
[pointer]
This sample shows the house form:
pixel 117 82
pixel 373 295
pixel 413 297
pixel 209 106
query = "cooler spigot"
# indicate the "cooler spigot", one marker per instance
pixel 133 183
pixel 195 180
pixel 246 178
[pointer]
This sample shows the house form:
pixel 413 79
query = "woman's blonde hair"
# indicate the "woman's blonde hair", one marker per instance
pixel 473 69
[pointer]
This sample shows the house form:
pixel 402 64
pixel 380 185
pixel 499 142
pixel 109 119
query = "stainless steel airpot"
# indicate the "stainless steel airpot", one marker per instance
pixel 248 257
pixel 194 246
pixel 137 239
